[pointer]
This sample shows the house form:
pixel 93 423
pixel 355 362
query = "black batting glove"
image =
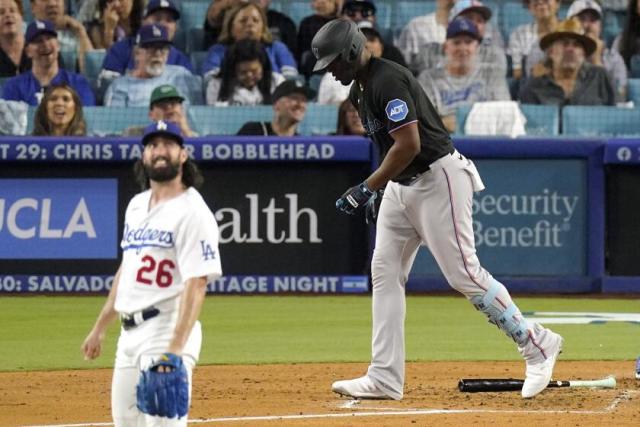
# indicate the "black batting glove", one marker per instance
pixel 354 198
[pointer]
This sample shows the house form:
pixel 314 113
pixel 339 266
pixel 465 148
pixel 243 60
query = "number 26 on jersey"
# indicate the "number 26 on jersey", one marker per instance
pixel 158 272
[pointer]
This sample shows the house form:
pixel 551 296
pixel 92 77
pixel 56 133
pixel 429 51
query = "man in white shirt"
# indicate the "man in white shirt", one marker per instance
pixel 151 70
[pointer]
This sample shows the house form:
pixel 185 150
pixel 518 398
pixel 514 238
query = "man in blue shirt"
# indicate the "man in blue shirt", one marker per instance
pixel 42 46
pixel 120 58
pixel 151 71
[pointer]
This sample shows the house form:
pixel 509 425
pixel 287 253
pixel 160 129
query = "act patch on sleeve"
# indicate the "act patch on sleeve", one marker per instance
pixel 396 110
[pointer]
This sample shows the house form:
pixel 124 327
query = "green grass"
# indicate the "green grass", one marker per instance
pixel 46 332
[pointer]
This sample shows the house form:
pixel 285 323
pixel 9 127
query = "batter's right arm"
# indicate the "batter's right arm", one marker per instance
pixel 92 344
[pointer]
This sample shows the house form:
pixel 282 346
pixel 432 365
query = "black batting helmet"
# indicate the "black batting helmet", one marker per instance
pixel 340 37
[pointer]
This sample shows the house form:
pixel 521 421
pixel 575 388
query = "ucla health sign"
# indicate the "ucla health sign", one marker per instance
pixel 531 219
pixel 58 218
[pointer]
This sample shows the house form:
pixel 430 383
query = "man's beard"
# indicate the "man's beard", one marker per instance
pixel 155 69
pixel 164 173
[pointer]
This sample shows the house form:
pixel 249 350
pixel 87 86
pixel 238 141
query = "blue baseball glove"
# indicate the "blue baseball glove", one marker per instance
pixel 354 197
pixel 165 394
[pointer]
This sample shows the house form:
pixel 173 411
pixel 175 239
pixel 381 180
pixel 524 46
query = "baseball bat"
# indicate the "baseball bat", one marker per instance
pixel 510 384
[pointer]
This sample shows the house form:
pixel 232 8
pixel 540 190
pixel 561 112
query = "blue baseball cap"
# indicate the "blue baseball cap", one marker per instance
pixel 39 27
pixel 152 34
pixel 463 26
pixel 155 5
pixel 162 128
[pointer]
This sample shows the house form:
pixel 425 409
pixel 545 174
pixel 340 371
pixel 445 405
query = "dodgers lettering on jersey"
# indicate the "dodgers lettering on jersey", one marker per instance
pixel 164 247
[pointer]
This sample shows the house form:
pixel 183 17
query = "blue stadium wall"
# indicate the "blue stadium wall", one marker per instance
pixel 558 215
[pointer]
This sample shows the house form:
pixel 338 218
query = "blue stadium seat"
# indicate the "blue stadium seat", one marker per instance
pixel 197 58
pixel 598 121
pixel 319 120
pixel 31 112
pixel 192 14
pixel 635 67
pixel 298 10
pixel 405 10
pixel 513 14
pixel 93 64
pixel 314 81
pixel 634 91
pixel 70 60
pixel 102 121
pixel 208 120
pixel 542 120
pixel 612 25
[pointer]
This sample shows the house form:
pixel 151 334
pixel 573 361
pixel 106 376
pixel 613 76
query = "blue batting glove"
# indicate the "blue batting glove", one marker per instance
pixel 354 197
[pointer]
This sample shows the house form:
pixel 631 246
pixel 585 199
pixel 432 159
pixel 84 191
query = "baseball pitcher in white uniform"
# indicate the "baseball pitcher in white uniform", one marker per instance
pixel 427 200
pixel 169 254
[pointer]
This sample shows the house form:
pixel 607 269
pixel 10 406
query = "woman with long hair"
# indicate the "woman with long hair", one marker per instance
pixel 349 122
pixel 628 43
pixel 114 21
pixel 60 113
pixel 245 77
pixel 248 21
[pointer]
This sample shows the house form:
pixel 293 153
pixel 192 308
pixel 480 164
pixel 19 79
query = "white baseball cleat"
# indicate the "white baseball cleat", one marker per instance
pixel 538 375
pixel 359 388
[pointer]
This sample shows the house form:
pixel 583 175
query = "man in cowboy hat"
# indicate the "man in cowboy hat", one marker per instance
pixel 571 80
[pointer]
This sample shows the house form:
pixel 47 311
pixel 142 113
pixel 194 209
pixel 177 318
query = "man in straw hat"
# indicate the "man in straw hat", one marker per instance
pixel 571 80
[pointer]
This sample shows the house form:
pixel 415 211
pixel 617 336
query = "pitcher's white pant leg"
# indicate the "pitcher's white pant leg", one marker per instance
pixel 396 247
pixel 123 397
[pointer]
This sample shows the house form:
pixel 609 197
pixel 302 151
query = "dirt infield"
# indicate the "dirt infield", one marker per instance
pixel 299 395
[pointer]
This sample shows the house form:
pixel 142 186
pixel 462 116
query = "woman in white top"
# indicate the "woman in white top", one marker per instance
pixel 245 77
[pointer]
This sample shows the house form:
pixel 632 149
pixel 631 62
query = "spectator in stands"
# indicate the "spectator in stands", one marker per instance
pixel 72 35
pixel 215 19
pixel 248 21
pixel 628 43
pixel 42 48
pixel 151 70
pixel 120 57
pixel 289 107
pixel 13 58
pixel 571 79
pixel 348 120
pixel 325 11
pixel 331 91
pixel 115 20
pixel 524 37
pixel 421 30
pixel 59 113
pixel 245 77
pixel 363 13
pixel 462 80
pixel 281 27
pixel 166 104
pixel 589 13
pixel 491 50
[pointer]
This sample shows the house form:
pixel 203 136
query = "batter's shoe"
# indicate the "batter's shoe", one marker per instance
pixel 359 388
pixel 538 375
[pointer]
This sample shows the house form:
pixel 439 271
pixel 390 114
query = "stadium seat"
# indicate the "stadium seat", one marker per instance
pixel 208 120
pixel 31 112
pixel 635 67
pixel 405 10
pixel 297 10
pixel 634 92
pixel 319 120
pixel 197 58
pixel 103 121
pixel 513 14
pixel 192 14
pixel 70 60
pixel 599 121
pixel 93 64
pixel 314 81
pixel 541 119
pixel 612 25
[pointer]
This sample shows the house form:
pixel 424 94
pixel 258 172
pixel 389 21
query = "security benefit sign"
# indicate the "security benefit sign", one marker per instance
pixel 531 219
pixel 58 218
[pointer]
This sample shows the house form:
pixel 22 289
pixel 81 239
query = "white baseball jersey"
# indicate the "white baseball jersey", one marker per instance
pixel 165 246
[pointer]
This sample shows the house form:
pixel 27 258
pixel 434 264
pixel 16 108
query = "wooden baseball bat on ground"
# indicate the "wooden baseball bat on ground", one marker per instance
pixel 510 384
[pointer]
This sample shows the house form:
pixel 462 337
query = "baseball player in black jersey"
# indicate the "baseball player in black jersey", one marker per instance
pixel 427 200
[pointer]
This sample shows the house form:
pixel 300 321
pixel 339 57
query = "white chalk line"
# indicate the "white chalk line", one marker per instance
pixel 387 412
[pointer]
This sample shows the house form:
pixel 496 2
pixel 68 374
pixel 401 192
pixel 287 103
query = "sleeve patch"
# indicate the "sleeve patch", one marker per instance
pixel 396 110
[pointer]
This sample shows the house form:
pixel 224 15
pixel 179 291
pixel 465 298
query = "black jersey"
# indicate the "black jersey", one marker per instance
pixel 393 98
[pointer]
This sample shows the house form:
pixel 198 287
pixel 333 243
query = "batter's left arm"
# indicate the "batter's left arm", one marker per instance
pixel 193 295
pixel 405 148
